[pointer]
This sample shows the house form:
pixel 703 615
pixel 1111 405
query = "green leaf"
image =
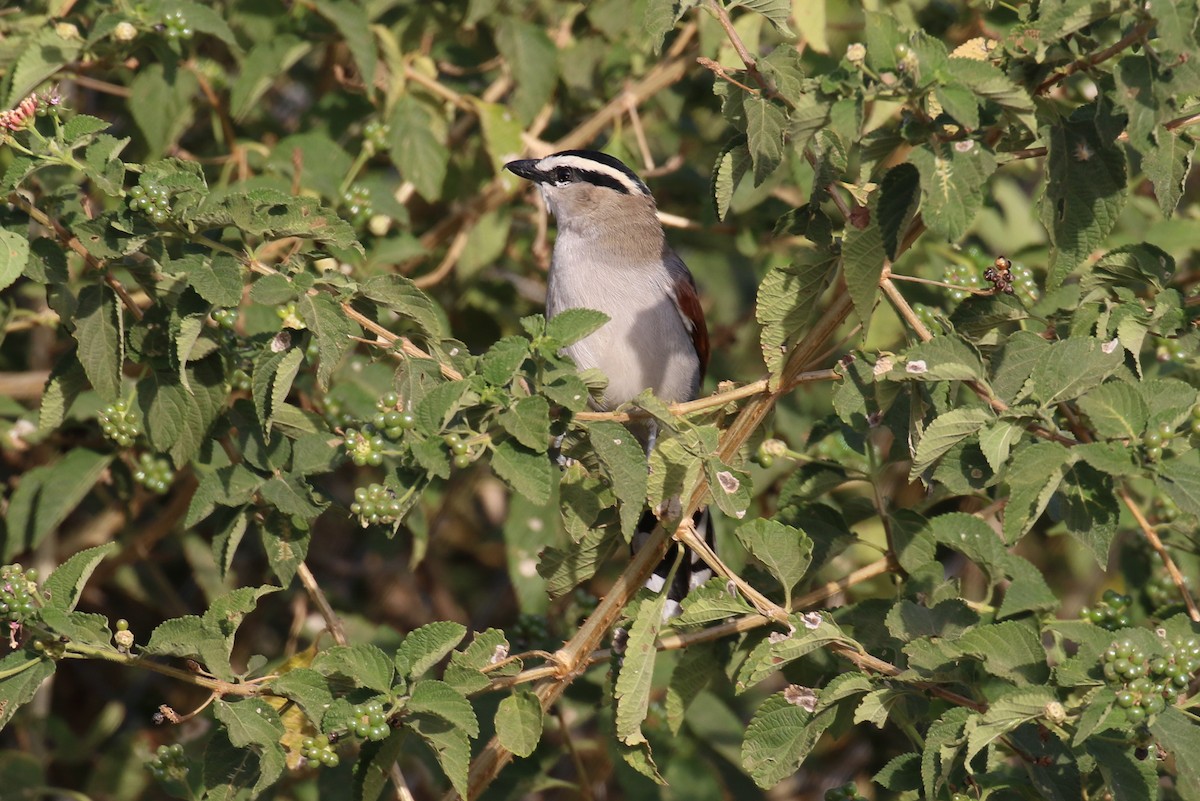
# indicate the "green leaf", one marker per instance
pixel 777 11
pixel 333 330
pixel 14 253
pixel 64 585
pixel 785 551
pixel 943 358
pixel 47 494
pixel 364 664
pixel 308 689
pixel 788 298
pixel 698 665
pixel 418 147
pixel 1178 734
pixel 353 23
pixel 528 472
pixel 263 64
pixel 98 330
pixel 236 773
pixel 528 420
pixel 23 672
pixel 947 619
pixel 765 125
pixel 402 296
pixel 1011 650
pixel 1167 165
pixel 373 768
pixel 571 325
pixel 67 380
pixel 863 257
pixel 946 431
pixel 450 747
pixel 464 672
pixel 1071 367
pixel 1127 777
pixel 44 53
pixel 728 169
pixel 712 600
pixel 565 569
pixel 942 742
pixel 660 17
pixel 960 104
pixel 632 689
pixel 731 490
pixel 954 176
pixel 625 466
pixel 897 204
pixel 1085 191
pixel 178 420
pixel 773 653
pixel 164 110
pixel 1116 410
pixel 292 496
pixel 503 360
pixel 204 19
pixel 255 723
pixel 780 738
pixel 426 646
pixel 533 60
pixel 1181 479
pixel 439 698
pixel 1007 713
pixel 519 722
pixel 1015 361
pixel 1086 503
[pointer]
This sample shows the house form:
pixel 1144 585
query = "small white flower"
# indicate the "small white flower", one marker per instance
pixel 856 53
pixel 124 32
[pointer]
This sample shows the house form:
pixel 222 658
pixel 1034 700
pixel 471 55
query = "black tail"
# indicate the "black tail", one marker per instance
pixel 691 573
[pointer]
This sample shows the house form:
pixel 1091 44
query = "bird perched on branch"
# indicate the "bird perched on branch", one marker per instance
pixel 611 255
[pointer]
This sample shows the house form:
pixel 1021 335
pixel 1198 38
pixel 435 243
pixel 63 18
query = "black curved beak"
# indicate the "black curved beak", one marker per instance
pixel 525 168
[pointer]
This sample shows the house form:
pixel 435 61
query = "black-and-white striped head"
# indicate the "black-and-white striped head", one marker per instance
pixel 578 183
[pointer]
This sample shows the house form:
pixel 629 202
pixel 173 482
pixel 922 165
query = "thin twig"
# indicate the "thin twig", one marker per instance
pixel 1125 41
pixel 332 621
pixel 1157 544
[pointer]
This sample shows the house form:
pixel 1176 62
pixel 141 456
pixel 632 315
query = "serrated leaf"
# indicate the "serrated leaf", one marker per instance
pixel 14 253
pixel 863 258
pixel 503 360
pixel 67 380
pixel 165 110
pixel 333 330
pixel 364 664
pixel 1011 650
pixel 1005 714
pixel 402 296
pixel 1034 475
pixel 732 163
pixel 946 431
pixel 44 53
pixel 947 619
pixel 255 723
pixel 785 551
pixel 528 472
pixel 625 466
pixel 942 741
pixel 713 601
pixel 765 125
pixel 354 24
pixel 731 490
pixel 996 440
pixel 1071 367
pixel 773 653
pixel 777 11
pixel 23 672
pixel 565 569
pixel 571 325
pixel 1086 503
pixel 788 297
pixel 943 358
pixel 435 697
pixel 1116 410
pixel 632 689
pixel 178 418
pixel 1085 191
pixel 46 495
pixel 101 345
pixel 308 688
pixel 897 203
pixel 519 722
pixel 417 147
pixel 424 647
pixel 372 770
pixel 1181 479
pixel 464 672
pixel 954 176
pixel 696 668
pixel 1167 165
pixel 1178 734
pixel 528 420
pixel 63 586
pixel 1127 777
pixel 450 747
pixel 533 59
pixel 779 739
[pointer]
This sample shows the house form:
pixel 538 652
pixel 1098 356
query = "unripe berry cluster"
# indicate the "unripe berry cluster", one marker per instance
pixel 1164 508
pixel 319 752
pixel 375 503
pixel 1162 591
pixel 389 419
pixel 117 424
pixel 1156 440
pixel 168 763
pixel 152 199
pixel 962 275
pixel 1111 613
pixel 239 380
pixel 365 448
pixel 928 316
pixel 357 202
pixel 336 415
pixel 1169 350
pixel 175 26
pixel 288 316
pixel 154 473
pixel 226 318
pixel 769 450
pixel 370 722
pixel 18 588
pixel 1145 684
pixel 459 450
pixel 375 135
pixel 846 792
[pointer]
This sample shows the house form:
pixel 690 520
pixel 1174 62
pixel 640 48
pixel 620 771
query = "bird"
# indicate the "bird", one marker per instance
pixel 611 254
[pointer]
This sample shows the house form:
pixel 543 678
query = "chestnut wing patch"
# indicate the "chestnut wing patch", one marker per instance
pixel 688 303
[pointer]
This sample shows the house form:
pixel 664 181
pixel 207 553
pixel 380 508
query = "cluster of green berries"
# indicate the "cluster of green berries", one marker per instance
pixel 1146 684
pixel 117 423
pixel 168 763
pixel 152 199
pixel 460 450
pixel 365 447
pixel 1156 440
pixel 962 275
pixel 375 135
pixel 928 316
pixel 531 633
pixel 154 473
pixel 1162 591
pixel 1024 283
pixel 319 752
pixel 357 202
pixel 336 415
pixel 846 792
pixel 239 380
pixel 1164 508
pixel 175 26
pixel 370 722
pixel 1169 350
pixel 288 317
pixel 1111 613
pixel 389 419
pixel 17 590
pixel 226 318
pixel 375 503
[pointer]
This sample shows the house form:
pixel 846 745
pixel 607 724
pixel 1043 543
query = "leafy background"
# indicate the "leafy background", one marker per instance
pixel 233 229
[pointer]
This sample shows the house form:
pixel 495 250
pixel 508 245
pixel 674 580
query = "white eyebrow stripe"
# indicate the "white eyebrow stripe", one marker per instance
pixel 588 165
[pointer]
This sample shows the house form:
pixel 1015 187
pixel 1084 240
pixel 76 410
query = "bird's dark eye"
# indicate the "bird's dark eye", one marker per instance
pixel 562 175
